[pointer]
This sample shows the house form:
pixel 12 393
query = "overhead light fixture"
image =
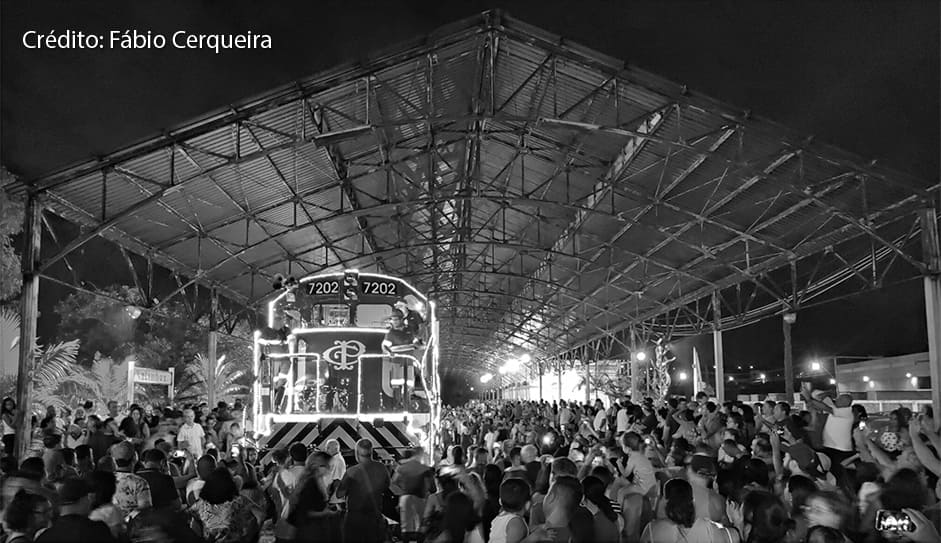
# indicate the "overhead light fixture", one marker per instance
pixel 763 376
pixel 133 311
pixel 872 384
pixel 815 366
pixel 731 378
pixel 486 378
pixel 683 376
pixel 832 381
pixel 914 381
pixel 790 317
pixel 865 378
pixel 526 358
pixel 908 375
pixel 640 356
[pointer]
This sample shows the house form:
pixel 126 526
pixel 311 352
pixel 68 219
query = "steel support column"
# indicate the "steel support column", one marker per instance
pixel 788 361
pixel 635 368
pixel 717 348
pixel 560 380
pixel 213 341
pixel 29 311
pixel 588 382
pixel 931 248
pixel 540 382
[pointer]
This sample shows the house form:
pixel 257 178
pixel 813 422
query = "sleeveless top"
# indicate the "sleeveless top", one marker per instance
pixel 7 429
pixel 702 531
pixel 499 524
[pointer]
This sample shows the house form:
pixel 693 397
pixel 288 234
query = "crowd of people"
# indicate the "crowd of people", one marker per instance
pixel 689 470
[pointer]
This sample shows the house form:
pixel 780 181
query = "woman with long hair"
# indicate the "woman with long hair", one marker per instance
pixel 767 518
pixel 221 515
pixel 133 427
pixel 309 512
pixel 681 523
pixel 604 518
pixel 8 425
pixel 460 523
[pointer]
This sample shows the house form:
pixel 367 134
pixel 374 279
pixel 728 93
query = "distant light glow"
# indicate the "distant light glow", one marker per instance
pixel 914 381
pixel 865 378
pixel 832 381
pixel 872 384
pixel 763 376
pixel 731 378
pixel 486 378
pixel 641 356
pixel 908 375
pixel 526 358
pixel 815 366
pixel 683 376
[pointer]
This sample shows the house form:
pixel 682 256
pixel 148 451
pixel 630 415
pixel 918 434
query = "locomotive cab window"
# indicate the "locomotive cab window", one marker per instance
pixel 373 315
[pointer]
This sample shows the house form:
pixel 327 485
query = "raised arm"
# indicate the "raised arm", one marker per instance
pixel 775 440
pixel 924 454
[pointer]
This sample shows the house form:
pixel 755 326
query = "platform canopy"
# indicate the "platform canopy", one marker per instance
pixel 550 198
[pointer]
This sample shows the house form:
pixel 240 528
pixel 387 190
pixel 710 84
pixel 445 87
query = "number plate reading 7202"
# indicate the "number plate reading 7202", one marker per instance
pixel 381 288
pixel 319 288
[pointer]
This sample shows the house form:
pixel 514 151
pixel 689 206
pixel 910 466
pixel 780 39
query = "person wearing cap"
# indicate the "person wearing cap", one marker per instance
pixel 412 319
pixel 73 523
pixel 132 492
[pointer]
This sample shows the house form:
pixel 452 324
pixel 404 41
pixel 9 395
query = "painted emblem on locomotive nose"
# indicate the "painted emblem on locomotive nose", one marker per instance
pixel 344 354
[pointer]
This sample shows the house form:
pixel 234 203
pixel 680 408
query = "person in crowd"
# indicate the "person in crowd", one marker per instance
pixel 191 436
pixel 363 486
pixel 73 522
pixel 103 486
pixel 84 461
pixel 31 477
pixel 561 506
pixel 8 424
pixel 132 493
pixel 336 469
pixel 132 427
pixel 446 483
pixel 604 517
pixel 26 514
pixel 221 515
pixel 309 512
pixel 460 523
pixel 285 484
pixel 412 482
pixel 681 522
pixel 509 526
pixel 163 491
pixel 204 467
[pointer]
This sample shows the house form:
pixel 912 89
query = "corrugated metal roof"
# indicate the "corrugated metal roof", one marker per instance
pixel 580 212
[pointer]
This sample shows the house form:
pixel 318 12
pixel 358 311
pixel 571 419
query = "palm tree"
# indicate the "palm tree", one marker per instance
pixel 194 386
pixel 54 366
pixel 105 381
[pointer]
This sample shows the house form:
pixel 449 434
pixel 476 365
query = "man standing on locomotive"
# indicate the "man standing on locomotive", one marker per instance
pixel 412 319
pixel 398 340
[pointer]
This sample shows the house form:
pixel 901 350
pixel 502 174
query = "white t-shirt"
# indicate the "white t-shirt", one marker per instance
pixel 193 435
pixel 622 421
pixel 838 430
pixel 600 420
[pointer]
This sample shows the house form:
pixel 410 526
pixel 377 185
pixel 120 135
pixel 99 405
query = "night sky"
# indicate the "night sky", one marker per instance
pixel 861 75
